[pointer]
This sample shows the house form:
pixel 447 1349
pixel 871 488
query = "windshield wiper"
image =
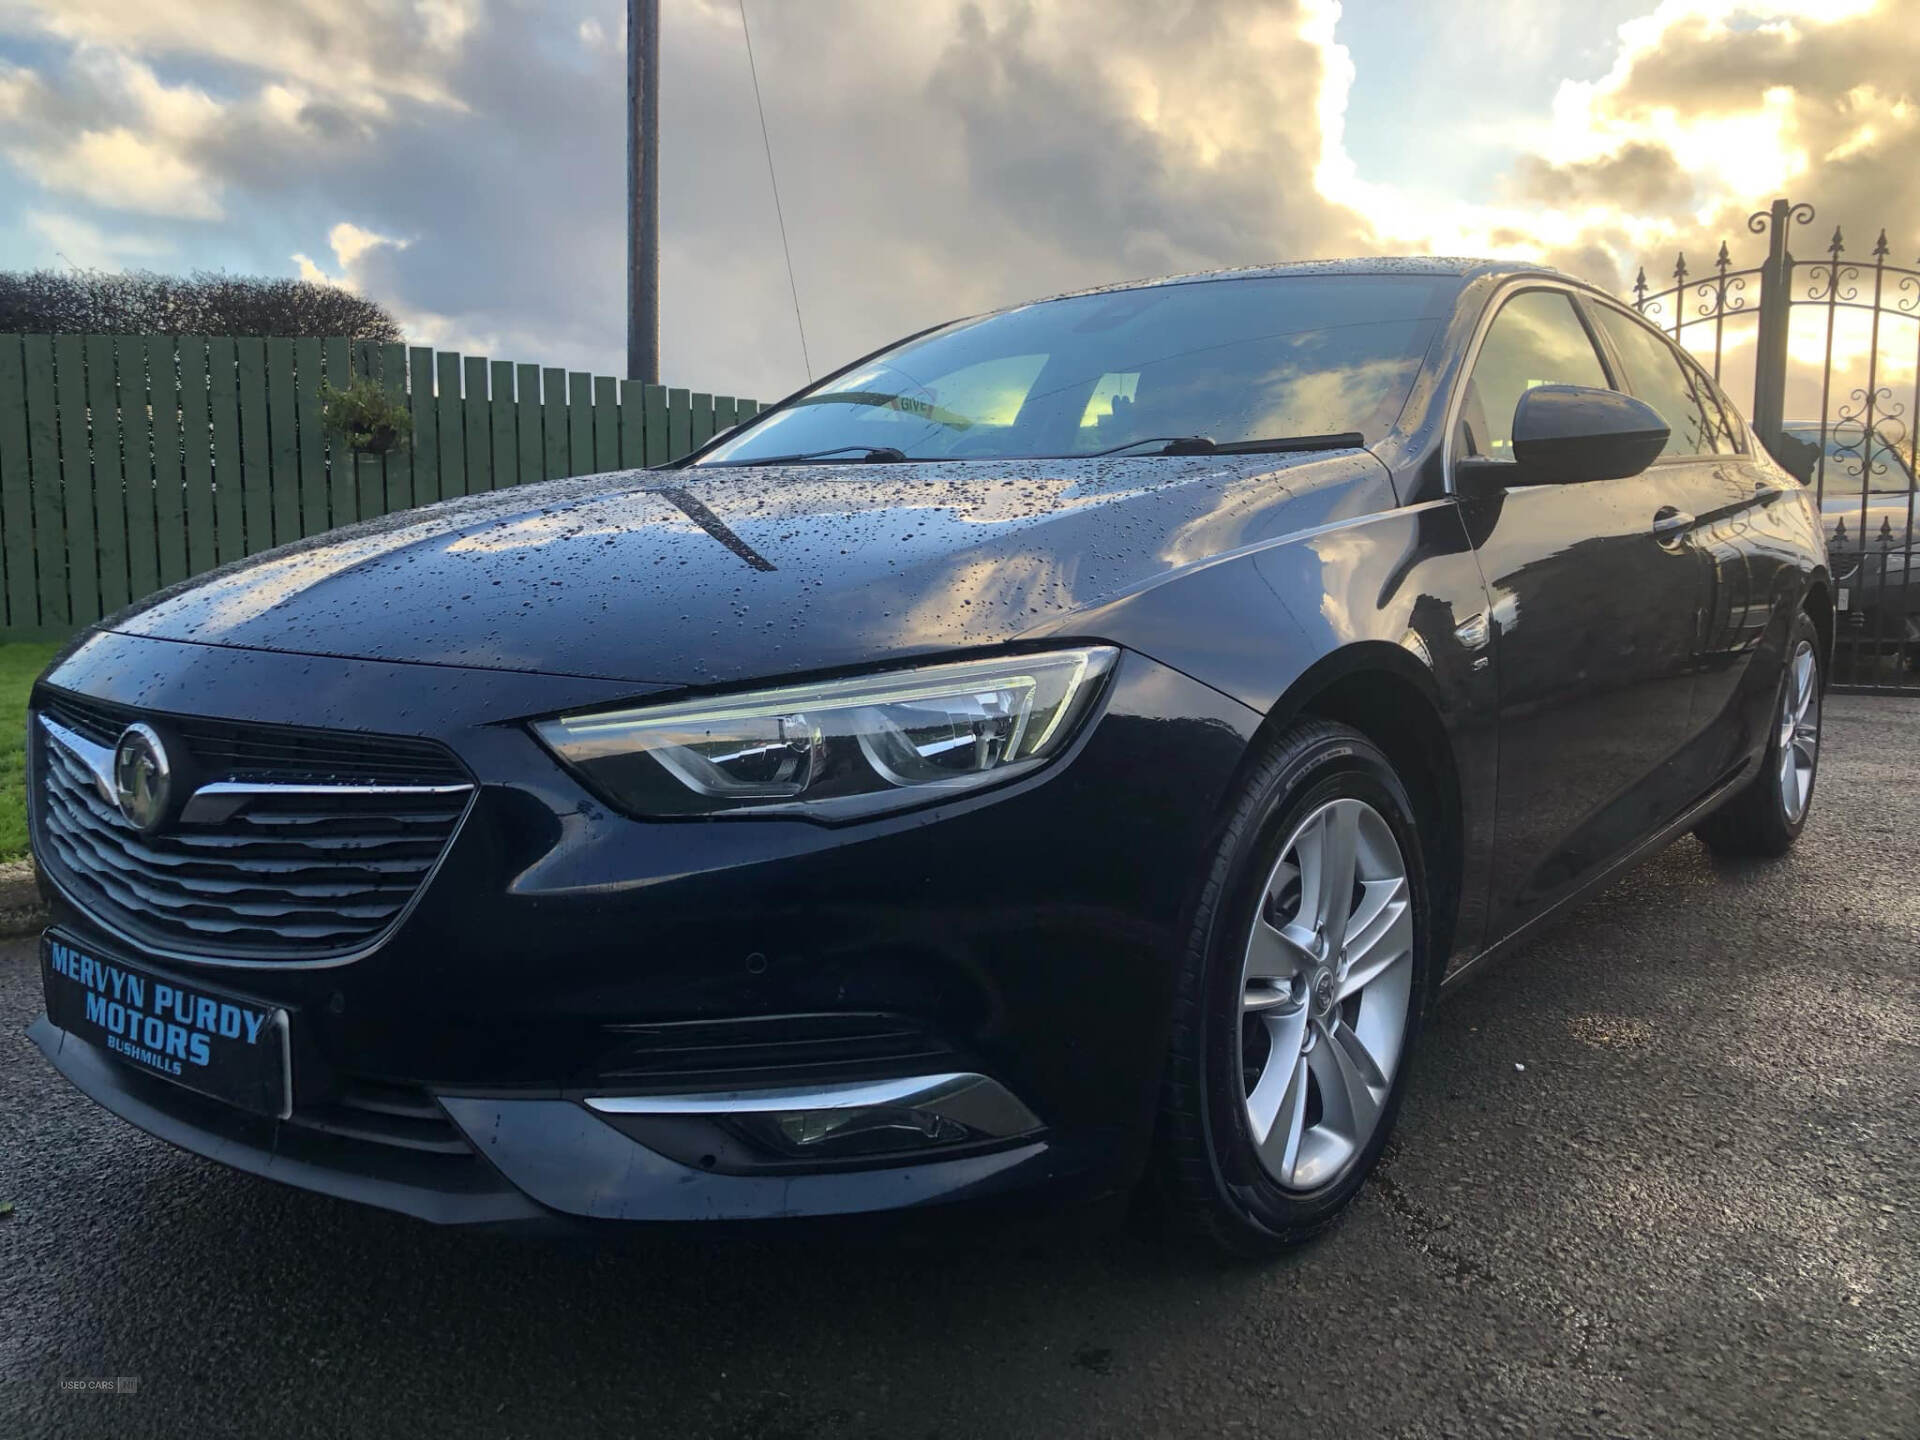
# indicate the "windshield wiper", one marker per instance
pixel 868 455
pixel 1205 445
pixel 1173 445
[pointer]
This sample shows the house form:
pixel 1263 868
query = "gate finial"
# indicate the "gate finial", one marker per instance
pixel 1835 246
pixel 1880 246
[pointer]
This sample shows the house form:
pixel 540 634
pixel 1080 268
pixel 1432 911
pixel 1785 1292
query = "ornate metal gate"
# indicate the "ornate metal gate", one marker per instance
pixel 1849 332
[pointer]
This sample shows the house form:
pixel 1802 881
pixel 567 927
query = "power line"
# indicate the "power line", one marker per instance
pixel 774 181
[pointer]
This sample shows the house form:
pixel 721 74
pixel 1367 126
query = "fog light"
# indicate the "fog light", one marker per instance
pixel 865 1117
pixel 862 1132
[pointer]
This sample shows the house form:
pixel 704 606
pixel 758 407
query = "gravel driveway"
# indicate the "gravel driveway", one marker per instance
pixel 1692 1212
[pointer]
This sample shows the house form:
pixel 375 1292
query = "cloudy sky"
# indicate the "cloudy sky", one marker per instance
pixel 462 160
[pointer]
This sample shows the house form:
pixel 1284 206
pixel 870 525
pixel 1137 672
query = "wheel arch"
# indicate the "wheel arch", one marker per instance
pixel 1382 691
pixel 1818 603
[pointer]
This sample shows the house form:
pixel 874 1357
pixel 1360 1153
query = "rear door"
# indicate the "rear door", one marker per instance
pixel 1595 611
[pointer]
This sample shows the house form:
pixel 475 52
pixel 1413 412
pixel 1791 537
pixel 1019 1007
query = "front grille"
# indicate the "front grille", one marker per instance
pixel 231 751
pixel 319 870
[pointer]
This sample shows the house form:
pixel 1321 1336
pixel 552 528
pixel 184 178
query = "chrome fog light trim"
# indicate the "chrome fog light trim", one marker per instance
pixel 981 1104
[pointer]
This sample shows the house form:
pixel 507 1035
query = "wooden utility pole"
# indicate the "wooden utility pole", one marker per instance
pixel 643 191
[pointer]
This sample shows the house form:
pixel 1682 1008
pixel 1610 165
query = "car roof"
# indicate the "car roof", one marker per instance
pixel 1457 267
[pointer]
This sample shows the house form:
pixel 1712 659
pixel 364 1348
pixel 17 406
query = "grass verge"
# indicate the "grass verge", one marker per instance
pixel 20 666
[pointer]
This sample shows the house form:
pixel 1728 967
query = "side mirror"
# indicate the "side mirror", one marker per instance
pixel 1569 434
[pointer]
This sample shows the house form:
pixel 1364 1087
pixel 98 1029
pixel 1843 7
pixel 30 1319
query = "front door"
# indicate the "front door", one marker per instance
pixel 1595 591
pixel 1710 469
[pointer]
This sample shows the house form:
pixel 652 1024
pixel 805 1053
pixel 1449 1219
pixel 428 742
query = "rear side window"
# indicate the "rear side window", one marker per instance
pixel 1673 386
pixel 1536 339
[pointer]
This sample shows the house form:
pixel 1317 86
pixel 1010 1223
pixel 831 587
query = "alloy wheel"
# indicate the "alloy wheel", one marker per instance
pixel 1324 994
pixel 1799 731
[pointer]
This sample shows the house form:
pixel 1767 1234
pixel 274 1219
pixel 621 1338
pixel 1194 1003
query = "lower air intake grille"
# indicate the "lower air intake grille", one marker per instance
pixel 766 1049
pixel 318 844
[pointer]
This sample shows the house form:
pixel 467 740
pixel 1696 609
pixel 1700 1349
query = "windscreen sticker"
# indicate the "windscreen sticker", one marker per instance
pixel 162 1026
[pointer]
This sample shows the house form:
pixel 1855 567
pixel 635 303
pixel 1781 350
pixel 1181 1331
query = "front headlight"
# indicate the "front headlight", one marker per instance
pixel 839 749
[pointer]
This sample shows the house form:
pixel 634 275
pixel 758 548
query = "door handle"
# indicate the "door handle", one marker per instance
pixel 1670 519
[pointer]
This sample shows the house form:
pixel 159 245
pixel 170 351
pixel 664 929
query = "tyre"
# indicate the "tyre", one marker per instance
pixel 1766 817
pixel 1301 992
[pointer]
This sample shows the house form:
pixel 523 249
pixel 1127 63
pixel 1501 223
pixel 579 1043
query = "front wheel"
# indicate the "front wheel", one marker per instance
pixel 1301 995
pixel 1767 816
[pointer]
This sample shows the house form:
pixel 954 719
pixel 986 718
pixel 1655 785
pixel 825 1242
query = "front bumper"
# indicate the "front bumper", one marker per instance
pixel 1027 934
pixel 528 1160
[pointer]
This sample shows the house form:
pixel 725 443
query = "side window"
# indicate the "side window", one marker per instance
pixel 1673 386
pixel 1536 339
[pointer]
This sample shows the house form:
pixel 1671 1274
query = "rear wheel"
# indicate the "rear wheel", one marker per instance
pixel 1766 817
pixel 1301 996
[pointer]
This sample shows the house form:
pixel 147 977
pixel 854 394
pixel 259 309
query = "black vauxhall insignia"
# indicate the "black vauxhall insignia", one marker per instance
pixel 1067 750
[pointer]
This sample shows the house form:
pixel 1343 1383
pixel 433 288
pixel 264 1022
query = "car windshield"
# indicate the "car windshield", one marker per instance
pixel 1889 474
pixel 1228 361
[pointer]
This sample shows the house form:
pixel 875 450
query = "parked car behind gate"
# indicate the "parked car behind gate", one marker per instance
pixel 1066 751
pixel 1871 514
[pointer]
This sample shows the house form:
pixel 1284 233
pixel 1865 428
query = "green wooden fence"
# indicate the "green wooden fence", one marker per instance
pixel 128 462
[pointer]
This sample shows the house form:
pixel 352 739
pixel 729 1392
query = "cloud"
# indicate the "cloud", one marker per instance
pixel 366 53
pixel 350 245
pixel 1641 176
pixel 1712 109
pixel 110 132
pixel 73 241
pixel 964 155
pixel 464 164
pixel 1709 111
pixel 129 171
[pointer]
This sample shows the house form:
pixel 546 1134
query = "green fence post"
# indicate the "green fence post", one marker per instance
pixel 169 451
pixel 256 442
pixel 426 426
pixel 312 483
pixel 478 412
pixel 76 476
pixel 699 420
pixel 223 400
pixel 16 488
pixel 109 477
pixel 49 501
pixel 137 356
pixel 579 424
pixel 371 496
pixel 679 423
pixel 654 400
pixel 451 421
pixel 532 425
pixel 503 463
pixel 553 404
pixel 343 481
pixel 283 444
pixel 196 455
pixel 633 427
pixel 606 423
pixel 399 463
